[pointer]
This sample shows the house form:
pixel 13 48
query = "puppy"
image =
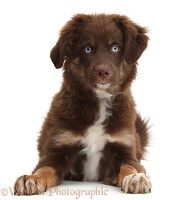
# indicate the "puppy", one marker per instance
pixel 92 131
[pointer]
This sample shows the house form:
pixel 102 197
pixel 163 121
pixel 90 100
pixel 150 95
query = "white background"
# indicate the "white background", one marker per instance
pixel 28 81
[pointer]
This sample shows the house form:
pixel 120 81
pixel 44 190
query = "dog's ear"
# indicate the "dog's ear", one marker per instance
pixel 57 56
pixel 135 38
pixel 68 36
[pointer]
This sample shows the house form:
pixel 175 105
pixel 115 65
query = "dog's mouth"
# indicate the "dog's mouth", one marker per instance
pixel 103 86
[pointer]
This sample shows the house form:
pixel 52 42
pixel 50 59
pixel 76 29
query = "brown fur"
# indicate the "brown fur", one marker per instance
pixel 76 107
pixel 125 170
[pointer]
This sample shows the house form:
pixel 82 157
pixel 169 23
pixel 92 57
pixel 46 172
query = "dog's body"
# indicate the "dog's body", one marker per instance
pixel 92 131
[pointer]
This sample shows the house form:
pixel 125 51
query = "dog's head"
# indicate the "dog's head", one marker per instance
pixel 100 51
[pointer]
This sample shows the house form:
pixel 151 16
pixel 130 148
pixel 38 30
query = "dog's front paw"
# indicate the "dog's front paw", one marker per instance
pixel 29 185
pixel 136 183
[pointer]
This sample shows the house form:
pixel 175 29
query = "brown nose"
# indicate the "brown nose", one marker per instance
pixel 102 73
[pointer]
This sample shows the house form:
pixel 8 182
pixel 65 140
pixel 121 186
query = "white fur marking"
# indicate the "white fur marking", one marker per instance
pixel 137 183
pixel 94 142
pixel 103 86
pixel 102 94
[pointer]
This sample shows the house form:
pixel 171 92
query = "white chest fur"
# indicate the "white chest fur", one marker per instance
pixel 95 141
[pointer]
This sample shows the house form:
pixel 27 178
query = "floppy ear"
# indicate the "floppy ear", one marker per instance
pixel 68 37
pixel 135 38
pixel 57 55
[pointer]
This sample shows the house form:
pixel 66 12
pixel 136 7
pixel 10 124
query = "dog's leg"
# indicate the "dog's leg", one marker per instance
pixel 49 172
pixel 131 181
pixel 36 183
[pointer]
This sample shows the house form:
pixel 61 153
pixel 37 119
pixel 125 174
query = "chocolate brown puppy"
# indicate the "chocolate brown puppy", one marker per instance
pixel 92 131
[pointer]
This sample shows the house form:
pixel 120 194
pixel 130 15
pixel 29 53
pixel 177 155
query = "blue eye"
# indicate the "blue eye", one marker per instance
pixel 88 49
pixel 115 49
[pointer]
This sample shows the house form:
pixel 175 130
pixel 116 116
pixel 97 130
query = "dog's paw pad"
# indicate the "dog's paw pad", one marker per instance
pixel 29 185
pixel 136 183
